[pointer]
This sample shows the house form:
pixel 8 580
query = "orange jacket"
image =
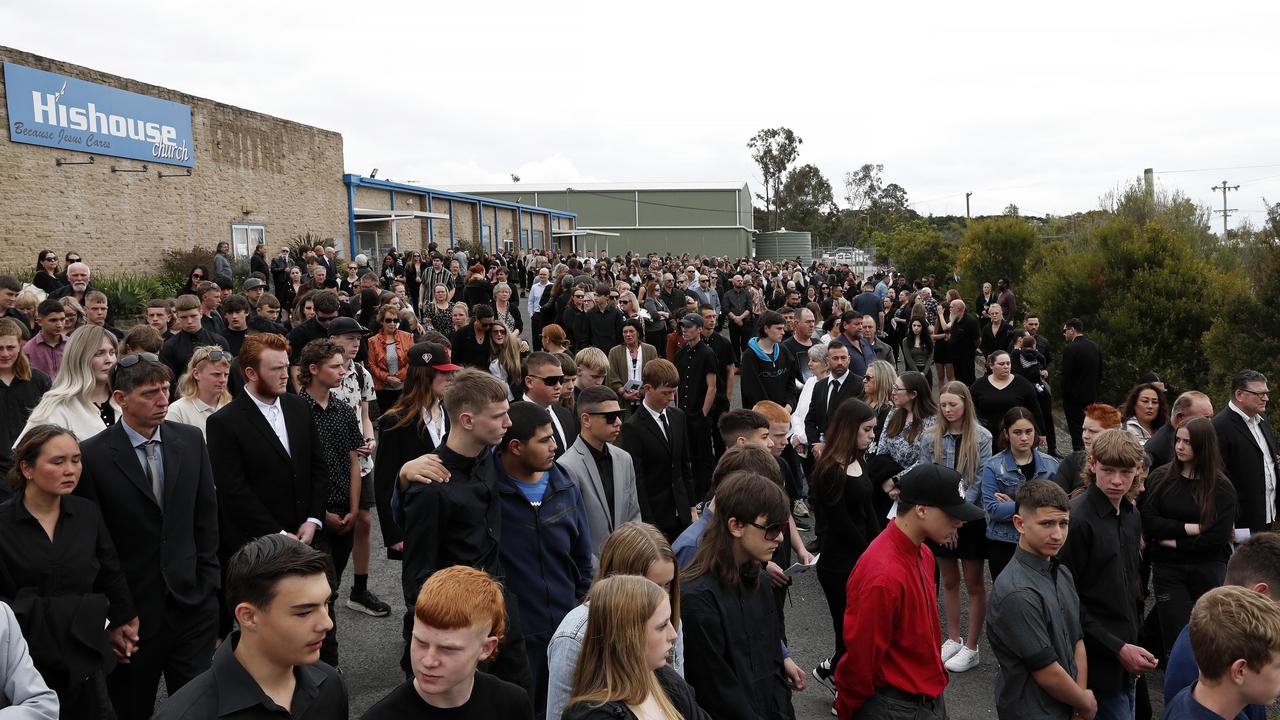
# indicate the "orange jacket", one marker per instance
pixel 378 358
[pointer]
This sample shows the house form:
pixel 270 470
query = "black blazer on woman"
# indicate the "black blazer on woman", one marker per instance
pixel 262 489
pixel 396 446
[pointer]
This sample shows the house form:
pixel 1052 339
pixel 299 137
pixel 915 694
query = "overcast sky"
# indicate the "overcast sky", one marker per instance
pixel 1048 109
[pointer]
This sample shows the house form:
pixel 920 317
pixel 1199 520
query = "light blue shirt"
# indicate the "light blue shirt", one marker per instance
pixel 137 440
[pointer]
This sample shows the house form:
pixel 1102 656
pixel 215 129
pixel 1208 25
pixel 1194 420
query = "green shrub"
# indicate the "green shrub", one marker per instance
pixel 180 262
pixel 128 293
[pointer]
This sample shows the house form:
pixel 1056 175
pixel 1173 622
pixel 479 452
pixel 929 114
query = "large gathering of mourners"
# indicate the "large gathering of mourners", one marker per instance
pixel 588 523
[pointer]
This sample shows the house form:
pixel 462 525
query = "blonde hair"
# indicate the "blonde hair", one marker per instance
pixel 187 385
pixel 508 355
pixel 967 460
pixel 1232 623
pixel 611 665
pixel 632 549
pixel 1118 448
pixel 75 381
pixel 886 376
pixel 21 365
pixel 593 359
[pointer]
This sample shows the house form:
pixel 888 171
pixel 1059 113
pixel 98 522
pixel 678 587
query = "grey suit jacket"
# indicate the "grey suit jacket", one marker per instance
pixel 580 465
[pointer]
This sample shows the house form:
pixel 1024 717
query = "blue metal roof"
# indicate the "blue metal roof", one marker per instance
pixel 352 180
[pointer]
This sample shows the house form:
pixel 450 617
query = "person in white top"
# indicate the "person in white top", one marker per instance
pixel 203 387
pixel 80 400
pixel 817 357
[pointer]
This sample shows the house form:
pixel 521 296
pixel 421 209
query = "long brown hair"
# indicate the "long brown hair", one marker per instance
pixel 966 459
pixel 922 406
pixel 416 395
pixel 631 550
pixel 842 448
pixel 744 496
pixel 1204 470
pixel 611 665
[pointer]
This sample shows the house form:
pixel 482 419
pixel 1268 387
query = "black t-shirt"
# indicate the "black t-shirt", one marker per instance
pixel 490 698
pixel 1029 470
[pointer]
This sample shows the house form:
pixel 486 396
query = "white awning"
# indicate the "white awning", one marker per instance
pixel 581 233
pixel 367 215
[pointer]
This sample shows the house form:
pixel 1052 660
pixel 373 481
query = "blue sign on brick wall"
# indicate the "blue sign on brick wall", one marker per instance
pixel 62 112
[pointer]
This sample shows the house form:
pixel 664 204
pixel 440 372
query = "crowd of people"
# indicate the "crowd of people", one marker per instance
pixel 586 526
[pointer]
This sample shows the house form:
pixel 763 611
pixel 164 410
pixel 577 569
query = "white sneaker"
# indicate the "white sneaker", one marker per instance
pixel 964 660
pixel 950 648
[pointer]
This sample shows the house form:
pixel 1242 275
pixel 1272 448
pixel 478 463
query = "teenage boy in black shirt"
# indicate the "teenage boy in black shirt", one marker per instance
pixel 277 588
pixel 458 622
pixel 458 522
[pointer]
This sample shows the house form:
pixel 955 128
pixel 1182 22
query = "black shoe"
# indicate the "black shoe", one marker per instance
pixel 825 674
pixel 368 603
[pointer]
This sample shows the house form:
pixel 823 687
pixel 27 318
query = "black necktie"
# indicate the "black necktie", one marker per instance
pixel 666 428
pixel 835 390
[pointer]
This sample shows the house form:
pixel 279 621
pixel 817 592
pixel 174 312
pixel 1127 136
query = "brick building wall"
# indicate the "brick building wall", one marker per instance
pixel 250 168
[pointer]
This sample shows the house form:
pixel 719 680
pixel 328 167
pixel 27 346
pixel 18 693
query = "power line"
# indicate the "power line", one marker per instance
pixel 1226 212
pixel 1236 167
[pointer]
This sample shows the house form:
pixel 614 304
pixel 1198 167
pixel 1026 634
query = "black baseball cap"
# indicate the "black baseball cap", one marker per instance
pixel 937 486
pixel 692 320
pixel 344 326
pixel 432 355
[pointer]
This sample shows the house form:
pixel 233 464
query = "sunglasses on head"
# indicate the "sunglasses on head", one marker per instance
pixel 134 358
pixel 552 381
pixel 610 416
pixel 218 356
pixel 773 531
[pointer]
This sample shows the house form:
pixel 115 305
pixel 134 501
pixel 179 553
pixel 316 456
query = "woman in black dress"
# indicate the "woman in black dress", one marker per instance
pixel 46 277
pixel 477 290
pixel 1188 511
pixel 841 499
pixel 998 393
pixel 995 334
pixel 60 573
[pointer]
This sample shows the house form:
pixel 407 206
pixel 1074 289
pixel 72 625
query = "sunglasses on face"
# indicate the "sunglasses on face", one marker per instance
pixel 391 321
pixel 73 259
pixel 553 381
pixel 773 531
pixel 610 417
pixel 134 358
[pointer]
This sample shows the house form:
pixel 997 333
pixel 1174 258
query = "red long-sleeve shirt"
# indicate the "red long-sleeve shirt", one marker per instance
pixel 891 626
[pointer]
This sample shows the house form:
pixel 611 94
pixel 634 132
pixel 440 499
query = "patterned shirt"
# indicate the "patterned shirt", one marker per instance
pixel 339 435
pixel 906 454
pixel 350 393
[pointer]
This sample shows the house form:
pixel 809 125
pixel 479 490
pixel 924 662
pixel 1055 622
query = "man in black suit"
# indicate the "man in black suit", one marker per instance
pixel 543 383
pixel 656 436
pixel 839 385
pixel 154 484
pixel 266 457
pixel 1249 451
pixel 1081 375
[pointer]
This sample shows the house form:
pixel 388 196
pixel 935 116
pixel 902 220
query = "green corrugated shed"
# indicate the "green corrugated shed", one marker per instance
pixel 784 245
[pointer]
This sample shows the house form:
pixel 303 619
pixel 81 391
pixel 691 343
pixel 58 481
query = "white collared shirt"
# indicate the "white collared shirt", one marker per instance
pixel 1268 463
pixel 434 423
pixel 274 416
pixel 657 418
pixel 190 411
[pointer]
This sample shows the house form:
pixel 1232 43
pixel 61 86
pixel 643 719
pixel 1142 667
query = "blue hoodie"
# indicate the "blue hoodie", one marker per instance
pixel 772 376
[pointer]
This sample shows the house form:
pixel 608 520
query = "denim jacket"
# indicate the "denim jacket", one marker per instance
pixel 1001 475
pixel 926 441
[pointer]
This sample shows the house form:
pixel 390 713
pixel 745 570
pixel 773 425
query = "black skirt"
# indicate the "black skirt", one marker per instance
pixel 971 543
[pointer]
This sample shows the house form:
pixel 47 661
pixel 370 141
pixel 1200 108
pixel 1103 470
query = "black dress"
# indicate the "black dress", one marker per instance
pixel 992 403
pixel 63 592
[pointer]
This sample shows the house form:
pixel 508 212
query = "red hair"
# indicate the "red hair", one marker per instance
pixel 254 345
pixel 461 597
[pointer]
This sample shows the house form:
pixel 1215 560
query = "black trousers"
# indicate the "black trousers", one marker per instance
pixel 1046 422
pixel 181 649
pixel 963 363
pixel 999 553
pixel 834 588
pixel 740 334
pixel 702 454
pixel 1075 422
pixel 1177 587
pixel 891 704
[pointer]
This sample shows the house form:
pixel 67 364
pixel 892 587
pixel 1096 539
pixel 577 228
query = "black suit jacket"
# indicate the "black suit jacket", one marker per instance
pixel 664 474
pixel 1242 461
pixel 567 421
pixel 1081 371
pixel 396 446
pixel 165 555
pixel 261 488
pixel 815 421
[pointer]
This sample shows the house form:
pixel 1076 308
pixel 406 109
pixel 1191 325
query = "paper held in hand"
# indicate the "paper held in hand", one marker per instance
pixel 801 568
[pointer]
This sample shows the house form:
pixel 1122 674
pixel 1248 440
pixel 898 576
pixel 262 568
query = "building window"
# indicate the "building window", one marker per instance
pixel 539 239
pixel 486 232
pixel 524 239
pixel 244 238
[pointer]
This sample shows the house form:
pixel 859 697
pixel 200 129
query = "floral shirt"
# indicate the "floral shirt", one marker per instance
pixel 903 452
pixel 350 393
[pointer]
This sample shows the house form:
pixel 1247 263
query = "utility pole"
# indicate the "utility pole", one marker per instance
pixel 966 205
pixel 1226 211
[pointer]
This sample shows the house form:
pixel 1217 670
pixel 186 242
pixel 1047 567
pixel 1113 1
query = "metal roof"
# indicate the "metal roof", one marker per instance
pixel 592 187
